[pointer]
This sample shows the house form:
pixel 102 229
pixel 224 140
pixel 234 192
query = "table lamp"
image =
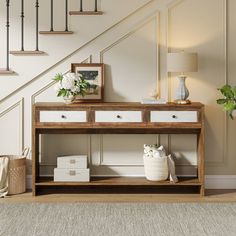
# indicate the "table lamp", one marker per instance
pixel 182 62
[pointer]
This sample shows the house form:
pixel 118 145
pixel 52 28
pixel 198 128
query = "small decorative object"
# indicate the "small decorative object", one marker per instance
pixel 70 85
pixel 229 99
pixel 155 163
pixel 153 101
pixel 154 98
pixel 182 62
pixel 93 74
pixel 171 166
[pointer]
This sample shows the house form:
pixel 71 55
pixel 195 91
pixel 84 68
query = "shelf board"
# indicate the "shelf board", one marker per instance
pixel 56 32
pixel 26 53
pixel 119 181
pixel 6 72
pixel 85 13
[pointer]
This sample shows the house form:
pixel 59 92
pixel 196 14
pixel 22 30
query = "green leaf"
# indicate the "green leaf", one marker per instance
pixel 231 115
pixel 226 90
pixel 221 101
pixel 58 77
pixel 229 106
pixel 234 91
pixel 62 93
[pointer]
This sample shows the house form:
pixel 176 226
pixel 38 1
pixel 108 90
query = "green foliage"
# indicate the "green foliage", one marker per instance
pixel 58 77
pixel 229 100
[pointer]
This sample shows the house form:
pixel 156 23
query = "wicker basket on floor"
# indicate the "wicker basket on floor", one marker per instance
pixel 17 172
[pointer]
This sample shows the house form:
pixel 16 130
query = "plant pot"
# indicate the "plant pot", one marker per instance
pixel 69 100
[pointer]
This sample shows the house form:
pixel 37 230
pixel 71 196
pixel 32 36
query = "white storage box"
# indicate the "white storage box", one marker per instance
pixel 72 162
pixel 71 175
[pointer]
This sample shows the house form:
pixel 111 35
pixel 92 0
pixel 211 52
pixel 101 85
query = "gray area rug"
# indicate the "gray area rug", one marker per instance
pixel 118 219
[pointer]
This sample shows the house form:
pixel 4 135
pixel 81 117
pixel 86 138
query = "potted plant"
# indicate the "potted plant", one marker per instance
pixel 70 85
pixel 229 99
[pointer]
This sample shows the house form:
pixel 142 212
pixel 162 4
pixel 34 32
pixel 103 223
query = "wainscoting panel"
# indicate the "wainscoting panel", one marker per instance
pixel 12 129
pixel 209 40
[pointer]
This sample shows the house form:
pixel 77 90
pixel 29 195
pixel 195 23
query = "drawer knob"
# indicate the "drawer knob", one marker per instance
pixel 174 116
pixel 72 161
pixel 63 116
pixel 118 116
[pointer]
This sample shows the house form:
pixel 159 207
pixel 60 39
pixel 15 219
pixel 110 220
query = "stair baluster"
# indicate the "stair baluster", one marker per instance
pixel 23 51
pixel 66 15
pixel 82 12
pixel 81 5
pixel 22 25
pixel 52 31
pixel 7 31
pixel 96 6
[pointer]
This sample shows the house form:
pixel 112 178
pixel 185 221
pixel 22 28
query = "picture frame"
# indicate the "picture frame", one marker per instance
pixel 94 74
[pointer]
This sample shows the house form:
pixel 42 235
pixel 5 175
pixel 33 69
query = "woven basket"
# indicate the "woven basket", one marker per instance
pixel 156 169
pixel 17 172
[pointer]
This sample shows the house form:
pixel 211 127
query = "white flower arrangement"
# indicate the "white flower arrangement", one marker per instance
pixel 154 151
pixel 70 84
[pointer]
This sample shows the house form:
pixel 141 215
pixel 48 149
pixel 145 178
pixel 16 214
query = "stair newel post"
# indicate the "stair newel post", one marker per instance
pixel 66 15
pixel 51 16
pixel 37 25
pixel 96 6
pixel 22 25
pixel 81 5
pixel 7 33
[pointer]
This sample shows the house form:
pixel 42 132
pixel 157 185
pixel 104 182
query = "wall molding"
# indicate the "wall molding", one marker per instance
pixel 220 181
pixel 19 104
pixel 171 6
pixel 226 66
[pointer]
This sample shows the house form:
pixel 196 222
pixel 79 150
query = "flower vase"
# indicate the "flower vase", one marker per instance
pixel 69 100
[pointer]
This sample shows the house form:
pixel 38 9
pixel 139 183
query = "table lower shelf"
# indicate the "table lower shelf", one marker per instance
pixel 118 185
pixel 111 181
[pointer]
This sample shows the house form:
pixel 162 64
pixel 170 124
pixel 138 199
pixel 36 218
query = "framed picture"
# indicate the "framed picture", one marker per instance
pixel 94 74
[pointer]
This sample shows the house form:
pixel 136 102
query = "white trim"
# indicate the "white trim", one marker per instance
pixel 212 181
pixel 220 181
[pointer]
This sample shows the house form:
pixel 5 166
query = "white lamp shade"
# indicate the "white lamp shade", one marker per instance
pixel 182 62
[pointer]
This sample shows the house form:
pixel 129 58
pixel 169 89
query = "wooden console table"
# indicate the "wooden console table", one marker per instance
pixel 117 118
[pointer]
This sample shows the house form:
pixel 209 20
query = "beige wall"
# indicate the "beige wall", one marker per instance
pixel 132 39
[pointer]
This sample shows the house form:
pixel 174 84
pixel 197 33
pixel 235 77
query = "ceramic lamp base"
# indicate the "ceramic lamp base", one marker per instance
pixel 182 102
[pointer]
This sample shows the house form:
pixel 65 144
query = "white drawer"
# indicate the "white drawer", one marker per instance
pixel 118 116
pixel 62 116
pixel 174 116
pixel 71 175
pixel 72 162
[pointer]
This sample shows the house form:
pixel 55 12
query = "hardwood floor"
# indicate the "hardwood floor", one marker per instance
pixel 211 196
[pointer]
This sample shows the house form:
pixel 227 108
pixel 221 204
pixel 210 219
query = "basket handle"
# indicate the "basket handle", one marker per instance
pixel 25 152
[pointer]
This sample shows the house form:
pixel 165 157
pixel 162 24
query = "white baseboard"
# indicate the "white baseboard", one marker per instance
pixel 220 181
pixel 211 181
